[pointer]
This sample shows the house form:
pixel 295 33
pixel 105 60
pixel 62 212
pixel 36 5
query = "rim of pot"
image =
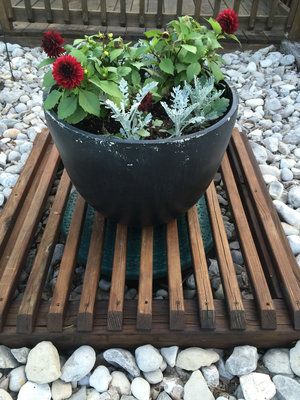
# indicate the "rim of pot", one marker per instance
pixel 202 132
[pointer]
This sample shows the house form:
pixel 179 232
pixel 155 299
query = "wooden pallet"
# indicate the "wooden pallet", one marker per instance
pixel 272 319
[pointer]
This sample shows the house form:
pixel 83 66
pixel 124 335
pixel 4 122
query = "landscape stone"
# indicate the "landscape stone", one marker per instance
pixel 196 387
pixel 257 386
pixel 122 358
pixel 242 361
pixel 148 358
pixel 194 358
pixel 79 364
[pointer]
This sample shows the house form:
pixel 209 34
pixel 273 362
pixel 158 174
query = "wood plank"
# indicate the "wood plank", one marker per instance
pixel 91 276
pixel 144 312
pixel 292 13
pixel 159 14
pixel 179 8
pixel 236 6
pixel 197 13
pixel 123 13
pixel 142 13
pixel 48 11
pixel 254 268
pixel 230 284
pixel 28 10
pixel 261 246
pixel 176 301
pixel 217 7
pixel 204 292
pixel 34 287
pixel 62 288
pixel 11 210
pixel 253 13
pixel 272 12
pixel 103 12
pixel 117 290
pixel 85 12
pixel 66 11
pixel 285 262
pixel 13 268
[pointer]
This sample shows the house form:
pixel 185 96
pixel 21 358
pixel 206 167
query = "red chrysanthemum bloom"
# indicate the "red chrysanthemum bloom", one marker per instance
pixel 67 72
pixel 52 44
pixel 228 19
pixel 146 103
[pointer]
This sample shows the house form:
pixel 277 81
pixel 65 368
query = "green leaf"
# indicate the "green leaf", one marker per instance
pixel 89 102
pixel 192 70
pixel 66 106
pixel 78 41
pixel 48 80
pixel 135 78
pixel 152 33
pixel 167 66
pixel 215 25
pixel 108 87
pixel 77 116
pixel 115 54
pixel 52 99
pixel 45 62
pixel 189 48
pixel 123 71
pixel 216 70
pixel 180 67
pixel 79 56
pixel 143 133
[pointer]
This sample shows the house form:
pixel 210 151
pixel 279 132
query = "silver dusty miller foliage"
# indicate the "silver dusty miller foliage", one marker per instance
pixel 195 106
pixel 133 121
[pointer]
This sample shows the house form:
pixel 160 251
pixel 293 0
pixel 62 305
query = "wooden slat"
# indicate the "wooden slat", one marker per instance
pixel 253 13
pixel 292 12
pixel 28 10
pixel 204 292
pixel 66 11
pixel 176 301
pixel 159 14
pixel 8 9
pixel 254 268
pixel 142 13
pixel 117 290
pixel 236 5
pixel 229 279
pixel 261 246
pixel 217 8
pixel 34 287
pixel 85 12
pixel 144 312
pixel 14 264
pixel 11 211
pixel 123 18
pixel 5 19
pixel 103 12
pixel 285 262
pixel 273 11
pixel 197 12
pixel 91 276
pixel 62 288
pixel 49 15
pixel 179 8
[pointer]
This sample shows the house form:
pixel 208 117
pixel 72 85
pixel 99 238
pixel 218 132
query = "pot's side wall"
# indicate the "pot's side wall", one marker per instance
pixel 140 183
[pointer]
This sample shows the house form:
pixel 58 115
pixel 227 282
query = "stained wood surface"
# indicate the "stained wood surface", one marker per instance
pixel 117 289
pixel 204 292
pixel 144 312
pixel 91 276
pixel 227 270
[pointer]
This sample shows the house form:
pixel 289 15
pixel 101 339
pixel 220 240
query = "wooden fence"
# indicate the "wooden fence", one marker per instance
pixel 278 17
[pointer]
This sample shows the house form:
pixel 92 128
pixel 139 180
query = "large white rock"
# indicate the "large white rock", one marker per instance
pixel 122 358
pixel 277 361
pixel 269 170
pixel 295 358
pixel 140 389
pixel 276 190
pixel 289 215
pixel 170 354
pixel 43 365
pixel 34 391
pixel 196 388
pixel 287 388
pixel 194 358
pixel 7 360
pixel 92 394
pixel 79 395
pixel 79 364
pixel 100 379
pixel 259 151
pixel 294 196
pixel 148 358
pixel 211 375
pixel 256 386
pixel 61 390
pixel 294 241
pixel 17 378
pixel 4 395
pixel 173 386
pixel 120 382
pixel 242 361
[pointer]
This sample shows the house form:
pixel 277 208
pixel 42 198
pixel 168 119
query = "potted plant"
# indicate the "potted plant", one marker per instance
pixel 141 127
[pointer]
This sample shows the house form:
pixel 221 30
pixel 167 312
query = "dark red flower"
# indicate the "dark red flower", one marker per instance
pixel 52 44
pixel 146 103
pixel 67 72
pixel 228 19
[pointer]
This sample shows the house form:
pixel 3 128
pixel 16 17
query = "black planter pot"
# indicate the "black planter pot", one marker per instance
pixel 141 182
